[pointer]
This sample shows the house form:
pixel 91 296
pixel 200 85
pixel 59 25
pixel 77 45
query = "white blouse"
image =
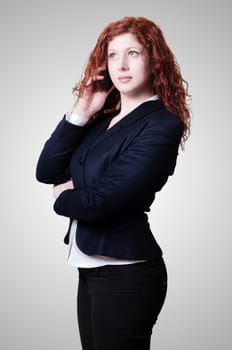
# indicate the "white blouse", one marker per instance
pixel 79 259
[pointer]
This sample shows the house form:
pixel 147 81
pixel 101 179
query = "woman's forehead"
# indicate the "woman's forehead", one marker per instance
pixel 124 41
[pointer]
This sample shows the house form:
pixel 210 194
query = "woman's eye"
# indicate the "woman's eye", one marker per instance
pixel 111 55
pixel 133 53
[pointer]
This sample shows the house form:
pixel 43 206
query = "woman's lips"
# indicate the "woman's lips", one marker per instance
pixel 124 79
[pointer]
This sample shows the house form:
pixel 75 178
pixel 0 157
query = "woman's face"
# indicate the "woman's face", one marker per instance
pixel 129 67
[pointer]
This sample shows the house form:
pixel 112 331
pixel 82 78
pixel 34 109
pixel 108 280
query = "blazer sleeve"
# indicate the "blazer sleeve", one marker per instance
pixel 53 163
pixel 140 170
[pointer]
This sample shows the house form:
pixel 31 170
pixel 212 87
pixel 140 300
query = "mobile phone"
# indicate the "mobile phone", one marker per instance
pixel 106 83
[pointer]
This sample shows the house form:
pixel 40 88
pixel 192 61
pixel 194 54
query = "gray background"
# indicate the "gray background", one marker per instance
pixel 44 46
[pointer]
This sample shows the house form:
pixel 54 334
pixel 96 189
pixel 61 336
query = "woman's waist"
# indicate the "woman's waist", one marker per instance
pixel 119 222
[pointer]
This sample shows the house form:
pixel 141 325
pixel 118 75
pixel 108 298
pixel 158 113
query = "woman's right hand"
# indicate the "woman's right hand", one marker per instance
pixel 90 102
pixel 58 189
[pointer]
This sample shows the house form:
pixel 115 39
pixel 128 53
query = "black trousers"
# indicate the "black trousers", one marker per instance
pixel 119 304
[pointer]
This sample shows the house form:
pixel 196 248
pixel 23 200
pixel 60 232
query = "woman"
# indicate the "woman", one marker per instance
pixel 107 158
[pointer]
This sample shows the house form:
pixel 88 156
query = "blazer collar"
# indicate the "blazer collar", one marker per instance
pixel 138 113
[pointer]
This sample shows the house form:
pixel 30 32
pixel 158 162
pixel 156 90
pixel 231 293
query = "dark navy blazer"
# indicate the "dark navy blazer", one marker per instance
pixel 116 173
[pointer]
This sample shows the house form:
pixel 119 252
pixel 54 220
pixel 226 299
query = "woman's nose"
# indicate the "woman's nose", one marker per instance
pixel 123 64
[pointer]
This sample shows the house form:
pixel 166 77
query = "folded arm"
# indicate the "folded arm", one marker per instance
pixel 141 170
pixel 53 163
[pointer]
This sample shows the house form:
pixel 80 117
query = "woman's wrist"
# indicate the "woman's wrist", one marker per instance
pixel 76 119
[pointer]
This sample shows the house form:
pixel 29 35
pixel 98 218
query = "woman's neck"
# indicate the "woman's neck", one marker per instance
pixel 128 103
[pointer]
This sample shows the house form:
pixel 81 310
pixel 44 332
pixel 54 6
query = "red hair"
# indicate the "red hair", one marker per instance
pixel 168 83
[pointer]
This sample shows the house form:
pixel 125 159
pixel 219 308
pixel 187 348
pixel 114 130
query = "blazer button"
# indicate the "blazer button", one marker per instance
pixel 81 161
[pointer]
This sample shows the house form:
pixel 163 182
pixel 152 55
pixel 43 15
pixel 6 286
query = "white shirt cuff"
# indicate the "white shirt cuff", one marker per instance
pixel 75 119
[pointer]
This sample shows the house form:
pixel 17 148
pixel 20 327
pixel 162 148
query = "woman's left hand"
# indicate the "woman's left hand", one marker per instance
pixel 58 189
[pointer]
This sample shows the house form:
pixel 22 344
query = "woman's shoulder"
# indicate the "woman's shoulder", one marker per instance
pixel 161 122
pixel 157 116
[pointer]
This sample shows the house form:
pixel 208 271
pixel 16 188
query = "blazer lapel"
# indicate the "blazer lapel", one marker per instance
pixel 139 112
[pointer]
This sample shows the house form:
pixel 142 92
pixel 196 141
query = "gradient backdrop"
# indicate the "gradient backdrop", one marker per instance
pixel 44 47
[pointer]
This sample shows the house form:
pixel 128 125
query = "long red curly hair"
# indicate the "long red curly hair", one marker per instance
pixel 168 83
